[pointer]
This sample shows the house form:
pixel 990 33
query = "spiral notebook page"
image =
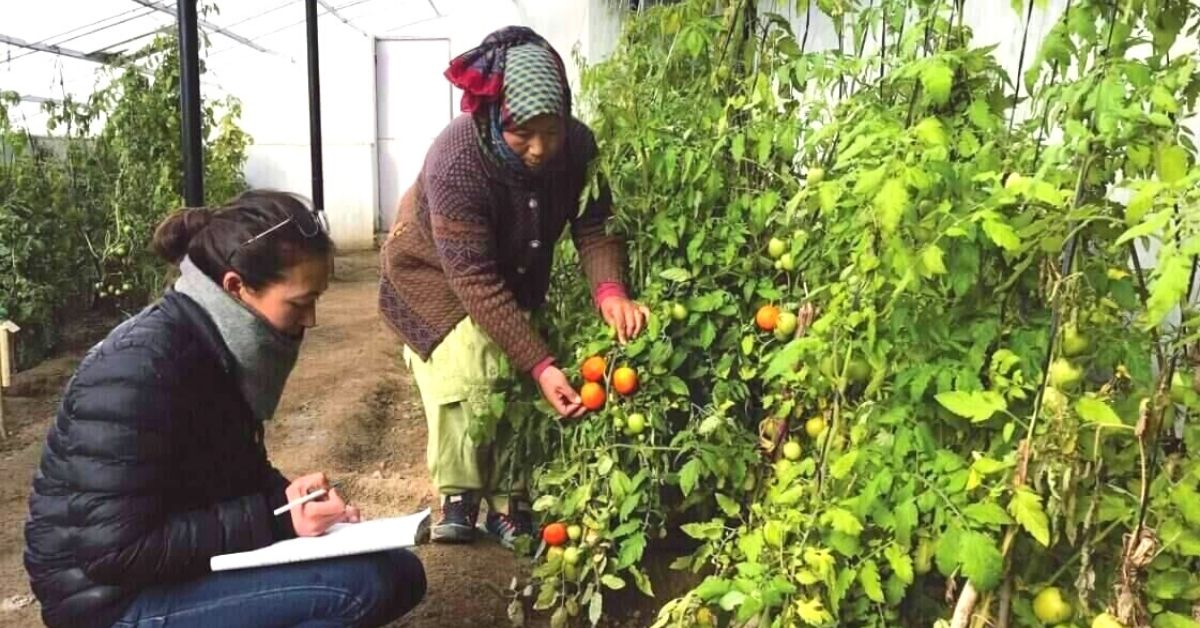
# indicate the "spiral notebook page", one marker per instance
pixel 343 539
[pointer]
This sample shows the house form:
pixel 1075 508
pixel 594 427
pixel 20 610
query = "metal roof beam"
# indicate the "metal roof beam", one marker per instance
pixel 333 11
pixel 58 50
pixel 159 6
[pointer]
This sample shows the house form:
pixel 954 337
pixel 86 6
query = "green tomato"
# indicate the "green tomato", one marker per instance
pixel 571 556
pixel 1104 620
pixel 679 312
pixel 1064 375
pixel 785 326
pixel 786 262
pixel 636 423
pixel 776 247
pixel 1073 342
pixel 816 175
pixel 1050 606
pixel 792 450
pixel 858 371
pixel 574 532
pixel 554 554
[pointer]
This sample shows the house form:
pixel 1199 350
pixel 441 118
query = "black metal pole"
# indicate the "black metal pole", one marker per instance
pixel 314 107
pixel 189 105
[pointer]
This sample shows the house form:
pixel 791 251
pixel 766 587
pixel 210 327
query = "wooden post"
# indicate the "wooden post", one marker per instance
pixel 6 361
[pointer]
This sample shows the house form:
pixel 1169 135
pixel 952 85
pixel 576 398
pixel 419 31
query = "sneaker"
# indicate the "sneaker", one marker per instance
pixel 508 528
pixel 459 513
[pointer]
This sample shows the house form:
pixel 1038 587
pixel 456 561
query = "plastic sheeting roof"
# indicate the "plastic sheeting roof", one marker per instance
pixel 90 29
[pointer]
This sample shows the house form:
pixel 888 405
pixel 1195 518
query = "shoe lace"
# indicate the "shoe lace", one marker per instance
pixel 461 508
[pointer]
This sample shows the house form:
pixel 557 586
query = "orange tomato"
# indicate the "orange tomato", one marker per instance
pixel 767 317
pixel 555 534
pixel 593 396
pixel 625 380
pixel 594 369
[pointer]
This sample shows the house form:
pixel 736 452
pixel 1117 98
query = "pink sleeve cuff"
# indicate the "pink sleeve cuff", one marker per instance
pixel 541 367
pixel 609 289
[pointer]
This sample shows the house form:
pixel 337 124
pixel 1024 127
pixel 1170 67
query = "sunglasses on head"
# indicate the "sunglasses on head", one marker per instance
pixel 309 223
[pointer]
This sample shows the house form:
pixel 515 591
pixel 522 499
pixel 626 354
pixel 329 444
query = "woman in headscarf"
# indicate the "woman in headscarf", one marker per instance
pixel 470 256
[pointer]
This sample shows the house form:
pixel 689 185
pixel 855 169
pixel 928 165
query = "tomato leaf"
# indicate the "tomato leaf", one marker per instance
pixel 1096 411
pixel 704 531
pixel 982 562
pixel 1174 620
pixel 907 519
pixel 890 204
pixel 987 513
pixel 812 612
pixel 936 80
pixel 975 405
pixel 732 600
pixel 1026 507
pixel 868 575
pixel 713 588
pixel 596 607
pixel 900 562
pixel 1170 286
pixel 631 551
pixel 1147 227
pixel 843 465
pixel 1172 163
pixel 843 521
pixel 729 506
pixel 678 275
pixel 689 476
pixel 1002 234
pixel 931 261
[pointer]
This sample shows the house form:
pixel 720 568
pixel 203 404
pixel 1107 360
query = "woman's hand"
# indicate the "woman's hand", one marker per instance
pixel 313 518
pixel 625 316
pixel 557 390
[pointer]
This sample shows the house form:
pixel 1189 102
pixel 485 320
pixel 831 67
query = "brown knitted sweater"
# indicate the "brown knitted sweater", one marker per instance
pixel 471 241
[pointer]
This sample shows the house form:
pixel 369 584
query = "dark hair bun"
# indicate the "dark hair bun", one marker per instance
pixel 175 233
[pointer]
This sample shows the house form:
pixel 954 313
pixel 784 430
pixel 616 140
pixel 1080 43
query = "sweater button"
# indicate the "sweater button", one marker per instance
pixel 533 203
pixel 520 270
pixel 535 244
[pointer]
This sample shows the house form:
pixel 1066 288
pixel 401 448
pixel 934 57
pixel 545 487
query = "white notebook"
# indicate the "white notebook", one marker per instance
pixel 343 539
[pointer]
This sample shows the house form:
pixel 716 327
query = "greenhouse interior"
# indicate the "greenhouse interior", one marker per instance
pixel 624 313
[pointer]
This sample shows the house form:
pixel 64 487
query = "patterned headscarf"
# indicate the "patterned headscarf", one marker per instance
pixel 511 78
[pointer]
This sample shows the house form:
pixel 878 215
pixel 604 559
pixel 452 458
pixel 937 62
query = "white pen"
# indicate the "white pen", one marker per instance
pixel 304 500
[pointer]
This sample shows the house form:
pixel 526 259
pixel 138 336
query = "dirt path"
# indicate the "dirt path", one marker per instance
pixel 348 410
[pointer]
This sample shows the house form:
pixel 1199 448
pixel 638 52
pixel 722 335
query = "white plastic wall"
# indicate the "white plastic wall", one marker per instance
pixel 273 90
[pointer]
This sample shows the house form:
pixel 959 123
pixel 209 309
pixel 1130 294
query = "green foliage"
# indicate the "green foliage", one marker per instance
pixel 929 222
pixel 77 210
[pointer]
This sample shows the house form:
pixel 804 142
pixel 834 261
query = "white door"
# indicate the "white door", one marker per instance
pixel 414 104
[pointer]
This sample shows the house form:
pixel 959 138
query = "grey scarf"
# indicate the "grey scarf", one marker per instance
pixel 264 355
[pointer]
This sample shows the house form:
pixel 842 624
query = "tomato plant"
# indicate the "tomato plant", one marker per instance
pixel 77 210
pixel 991 382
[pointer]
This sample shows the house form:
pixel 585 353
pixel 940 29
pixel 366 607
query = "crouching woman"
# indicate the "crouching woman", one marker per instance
pixel 155 462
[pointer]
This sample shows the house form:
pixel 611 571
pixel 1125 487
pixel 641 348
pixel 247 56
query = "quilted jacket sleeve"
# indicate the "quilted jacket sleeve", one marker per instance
pixel 119 459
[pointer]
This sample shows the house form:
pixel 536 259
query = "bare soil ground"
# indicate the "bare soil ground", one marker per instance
pixel 348 410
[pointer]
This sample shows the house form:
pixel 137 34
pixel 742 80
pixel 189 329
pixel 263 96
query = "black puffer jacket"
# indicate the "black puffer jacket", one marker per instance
pixel 154 464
